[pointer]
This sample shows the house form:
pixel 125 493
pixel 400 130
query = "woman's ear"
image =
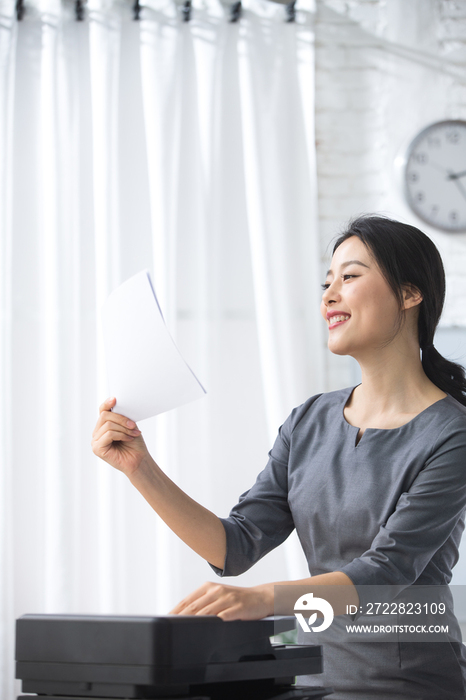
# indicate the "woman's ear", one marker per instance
pixel 411 296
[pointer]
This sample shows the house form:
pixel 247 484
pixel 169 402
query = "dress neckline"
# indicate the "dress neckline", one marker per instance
pixel 356 429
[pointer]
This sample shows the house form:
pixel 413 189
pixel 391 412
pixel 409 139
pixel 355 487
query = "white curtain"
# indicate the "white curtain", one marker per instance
pixel 186 148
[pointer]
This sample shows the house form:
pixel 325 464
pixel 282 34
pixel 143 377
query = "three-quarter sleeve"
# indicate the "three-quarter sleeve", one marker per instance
pixel 424 518
pixel 262 519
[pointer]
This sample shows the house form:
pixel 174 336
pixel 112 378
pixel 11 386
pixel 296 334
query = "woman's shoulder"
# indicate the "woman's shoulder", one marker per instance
pixel 454 407
pixel 450 415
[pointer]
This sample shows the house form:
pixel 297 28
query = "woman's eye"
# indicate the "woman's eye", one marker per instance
pixel 326 285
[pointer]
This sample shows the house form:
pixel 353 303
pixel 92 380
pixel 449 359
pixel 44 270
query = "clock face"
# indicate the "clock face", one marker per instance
pixel 435 175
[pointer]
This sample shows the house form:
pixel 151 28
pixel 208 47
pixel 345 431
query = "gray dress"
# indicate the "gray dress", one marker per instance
pixel 388 510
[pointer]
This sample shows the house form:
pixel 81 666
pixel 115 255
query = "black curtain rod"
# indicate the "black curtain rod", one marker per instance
pixel 236 10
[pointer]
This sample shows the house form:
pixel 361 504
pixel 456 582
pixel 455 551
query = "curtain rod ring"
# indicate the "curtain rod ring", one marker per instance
pixel 137 7
pixel 20 10
pixel 186 10
pixel 236 10
pixel 79 10
pixel 291 11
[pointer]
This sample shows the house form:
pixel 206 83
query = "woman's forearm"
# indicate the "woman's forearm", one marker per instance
pixel 336 587
pixel 197 526
pixel 238 603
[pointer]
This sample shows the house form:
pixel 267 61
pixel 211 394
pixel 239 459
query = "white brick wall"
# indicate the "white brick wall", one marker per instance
pixel 385 69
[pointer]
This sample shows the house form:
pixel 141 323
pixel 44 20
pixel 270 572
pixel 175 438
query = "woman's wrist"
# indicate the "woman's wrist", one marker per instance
pixel 335 587
pixel 147 469
pixel 266 593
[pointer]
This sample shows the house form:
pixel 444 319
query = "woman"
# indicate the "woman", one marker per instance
pixel 373 477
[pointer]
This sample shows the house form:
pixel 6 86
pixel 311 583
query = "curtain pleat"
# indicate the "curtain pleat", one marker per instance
pixel 186 148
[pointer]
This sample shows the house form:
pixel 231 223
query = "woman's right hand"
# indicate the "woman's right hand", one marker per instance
pixel 117 440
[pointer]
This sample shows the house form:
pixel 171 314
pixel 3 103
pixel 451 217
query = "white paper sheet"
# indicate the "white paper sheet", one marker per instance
pixel 146 372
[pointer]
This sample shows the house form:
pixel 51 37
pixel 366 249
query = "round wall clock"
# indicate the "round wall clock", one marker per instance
pixel 435 175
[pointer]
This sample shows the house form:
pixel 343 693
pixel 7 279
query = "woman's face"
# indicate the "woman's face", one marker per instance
pixel 358 305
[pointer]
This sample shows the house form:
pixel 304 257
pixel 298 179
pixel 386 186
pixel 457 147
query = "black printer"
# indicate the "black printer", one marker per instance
pixel 73 657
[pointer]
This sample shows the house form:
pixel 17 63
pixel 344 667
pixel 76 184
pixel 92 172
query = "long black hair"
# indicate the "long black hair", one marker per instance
pixel 406 256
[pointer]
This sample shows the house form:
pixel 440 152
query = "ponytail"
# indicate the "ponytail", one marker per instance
pixel 406 256
pixel 447 375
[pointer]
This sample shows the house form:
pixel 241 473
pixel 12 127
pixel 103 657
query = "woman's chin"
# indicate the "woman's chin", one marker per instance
pixel 338 348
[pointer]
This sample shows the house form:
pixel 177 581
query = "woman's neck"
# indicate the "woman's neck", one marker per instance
pixel 393 383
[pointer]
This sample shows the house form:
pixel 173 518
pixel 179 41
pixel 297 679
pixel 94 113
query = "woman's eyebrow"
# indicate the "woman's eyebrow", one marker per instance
pixel 349 262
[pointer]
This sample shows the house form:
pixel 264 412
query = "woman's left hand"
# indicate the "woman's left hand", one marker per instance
pixel 228 602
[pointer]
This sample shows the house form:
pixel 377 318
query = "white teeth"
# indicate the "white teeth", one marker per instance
pixel 337 319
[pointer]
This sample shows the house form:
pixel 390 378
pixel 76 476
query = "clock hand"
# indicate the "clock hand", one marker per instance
pixel 455 176
pixel 460 187
pixel 451 175
pixel 439 167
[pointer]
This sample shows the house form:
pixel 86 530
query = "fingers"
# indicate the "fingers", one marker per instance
pixel 112 427
pixel 111 437
pixel 106 407
pixel 116 420
pixel 115 424
pixel 212 599
pixel 108 438
pixel 228 602
pixel 107 404
pixel 191 602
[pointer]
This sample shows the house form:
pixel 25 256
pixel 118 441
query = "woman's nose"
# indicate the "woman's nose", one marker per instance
pixel 330 294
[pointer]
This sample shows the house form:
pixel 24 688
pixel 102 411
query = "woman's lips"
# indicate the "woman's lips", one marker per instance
pixel 338 323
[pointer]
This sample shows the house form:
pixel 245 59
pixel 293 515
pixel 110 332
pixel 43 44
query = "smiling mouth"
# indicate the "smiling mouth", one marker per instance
pixel 337 321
